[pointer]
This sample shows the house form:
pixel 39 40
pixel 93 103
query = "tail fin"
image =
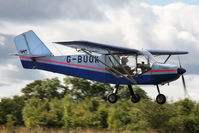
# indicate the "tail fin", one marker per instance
pixel 28 44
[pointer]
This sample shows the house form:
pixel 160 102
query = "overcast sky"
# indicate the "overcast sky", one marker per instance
pixel 149 24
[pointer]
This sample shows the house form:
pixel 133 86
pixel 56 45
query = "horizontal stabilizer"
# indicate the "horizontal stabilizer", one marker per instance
pixel 27 55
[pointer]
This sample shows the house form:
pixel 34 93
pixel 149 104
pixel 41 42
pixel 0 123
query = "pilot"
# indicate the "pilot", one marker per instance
pixel 124 60
pixel 144 67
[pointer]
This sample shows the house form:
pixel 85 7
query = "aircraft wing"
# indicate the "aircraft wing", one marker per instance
pixel 167 52
pixel 98 47
pixel 102 48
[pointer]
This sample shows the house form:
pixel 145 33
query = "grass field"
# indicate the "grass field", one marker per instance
pixel 45 130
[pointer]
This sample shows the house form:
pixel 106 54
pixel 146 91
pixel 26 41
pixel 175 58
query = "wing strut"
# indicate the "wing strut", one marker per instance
pixel 114 70
pixel 167 58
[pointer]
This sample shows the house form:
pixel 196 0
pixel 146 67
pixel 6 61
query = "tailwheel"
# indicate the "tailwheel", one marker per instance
pixel 112 98
pixel 160 99
pixel 135 98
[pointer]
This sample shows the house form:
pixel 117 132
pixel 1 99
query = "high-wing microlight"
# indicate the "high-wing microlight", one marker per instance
pixel 103 63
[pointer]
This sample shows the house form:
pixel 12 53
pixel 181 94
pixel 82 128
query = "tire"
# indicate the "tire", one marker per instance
pixel 160 99
pixel 112 98
pixel 135 99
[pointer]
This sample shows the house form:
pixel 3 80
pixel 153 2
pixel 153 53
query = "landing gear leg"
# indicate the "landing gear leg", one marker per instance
pixel 134 97
pixel 160 99
pixel 112 98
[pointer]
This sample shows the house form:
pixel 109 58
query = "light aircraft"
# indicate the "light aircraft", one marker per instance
pixel 103 63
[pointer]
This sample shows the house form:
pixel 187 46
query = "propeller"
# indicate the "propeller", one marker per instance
pixel 183 79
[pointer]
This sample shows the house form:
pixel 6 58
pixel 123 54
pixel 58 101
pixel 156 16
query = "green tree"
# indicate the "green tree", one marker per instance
pixel 12 107
pixel 119 116
pixel 42 89
pixel 101 90
pixel 36 113
pixel 56 110
pixel 102 115
pixel 10 120
pixel 187 117
pixel 47 103
pixel 81 88
pixel 69 106
pixel 88 113
pixel 157 116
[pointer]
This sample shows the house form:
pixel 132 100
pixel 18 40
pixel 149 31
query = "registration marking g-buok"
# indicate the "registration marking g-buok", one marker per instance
pixel 82 59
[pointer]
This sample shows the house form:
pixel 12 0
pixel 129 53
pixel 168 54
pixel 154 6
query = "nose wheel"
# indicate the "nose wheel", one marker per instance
pixel 160 99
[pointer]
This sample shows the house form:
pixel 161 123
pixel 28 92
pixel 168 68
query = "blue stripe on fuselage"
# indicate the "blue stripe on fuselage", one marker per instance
pixel 98 76
pixel 164 78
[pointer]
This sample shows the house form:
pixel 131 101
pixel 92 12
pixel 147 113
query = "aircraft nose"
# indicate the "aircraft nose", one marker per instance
pixel 181 70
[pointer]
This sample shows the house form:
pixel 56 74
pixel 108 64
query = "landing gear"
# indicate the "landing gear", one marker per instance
pixel 160 99
pixel 112 98
pixel 134 97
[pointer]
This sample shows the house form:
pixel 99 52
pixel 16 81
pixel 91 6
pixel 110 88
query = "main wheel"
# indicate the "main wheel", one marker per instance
pixel 160 99
pixel 135 98
pixel 112 98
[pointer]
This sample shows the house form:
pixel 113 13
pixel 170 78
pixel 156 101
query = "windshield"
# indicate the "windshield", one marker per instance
pixel 150 58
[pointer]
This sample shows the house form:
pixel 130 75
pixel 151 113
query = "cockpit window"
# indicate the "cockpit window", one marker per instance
pixel 133 64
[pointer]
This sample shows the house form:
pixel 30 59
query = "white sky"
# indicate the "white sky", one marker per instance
pixel 135 24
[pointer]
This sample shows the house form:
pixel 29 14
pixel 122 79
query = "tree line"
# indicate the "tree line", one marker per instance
pixel 79 103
